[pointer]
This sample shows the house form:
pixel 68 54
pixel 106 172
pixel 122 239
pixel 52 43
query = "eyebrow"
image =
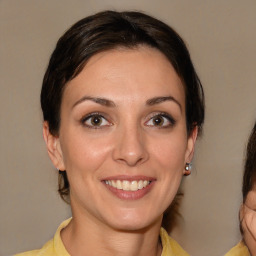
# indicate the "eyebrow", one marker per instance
pixel 110 103
pixel 158 100
pixel 101 101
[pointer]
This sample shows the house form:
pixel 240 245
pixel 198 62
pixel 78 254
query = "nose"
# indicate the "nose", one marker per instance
pixel 130 147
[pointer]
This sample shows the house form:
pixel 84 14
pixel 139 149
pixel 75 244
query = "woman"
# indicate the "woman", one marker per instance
pixel 122 108
pixel 247 211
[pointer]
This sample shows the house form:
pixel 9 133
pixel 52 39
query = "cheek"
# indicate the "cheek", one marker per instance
pixel 170 152
pixel 84 153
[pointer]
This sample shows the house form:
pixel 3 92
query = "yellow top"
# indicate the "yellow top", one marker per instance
pixel 55 247
pixel 239 250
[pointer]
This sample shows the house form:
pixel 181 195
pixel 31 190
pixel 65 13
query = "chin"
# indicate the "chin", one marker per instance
pixel 134 222
pixel 131 227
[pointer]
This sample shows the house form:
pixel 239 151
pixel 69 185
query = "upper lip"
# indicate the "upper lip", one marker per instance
pixel 129 178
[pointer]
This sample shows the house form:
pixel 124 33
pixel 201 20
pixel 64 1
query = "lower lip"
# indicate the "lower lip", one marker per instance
pixel 130 195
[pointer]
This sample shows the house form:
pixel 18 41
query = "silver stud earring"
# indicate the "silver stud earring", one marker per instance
pixel 188 168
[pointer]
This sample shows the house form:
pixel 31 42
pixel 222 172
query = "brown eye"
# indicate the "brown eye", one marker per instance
pixel 158 120
pixel 161 120
pixel 95 121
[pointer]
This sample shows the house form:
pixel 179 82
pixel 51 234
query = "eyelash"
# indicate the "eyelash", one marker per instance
pixel 168 118
pixel 98 115
pixel 165 118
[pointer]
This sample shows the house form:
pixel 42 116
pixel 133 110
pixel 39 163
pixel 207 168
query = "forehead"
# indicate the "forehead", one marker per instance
pixel 138 71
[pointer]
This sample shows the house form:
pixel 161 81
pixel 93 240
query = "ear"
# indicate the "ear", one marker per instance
pixel 191 145
pixel 53 147
pixel 241 213
pixel 190 149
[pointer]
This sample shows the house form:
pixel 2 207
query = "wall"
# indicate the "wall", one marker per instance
pixel 221 38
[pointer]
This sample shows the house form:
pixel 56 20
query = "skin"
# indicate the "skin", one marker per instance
pixel 248 221
pixel 128 142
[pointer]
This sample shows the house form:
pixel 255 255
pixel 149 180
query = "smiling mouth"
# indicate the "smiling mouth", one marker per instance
pixel 126 185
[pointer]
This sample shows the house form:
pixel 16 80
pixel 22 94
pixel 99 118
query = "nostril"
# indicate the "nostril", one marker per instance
pixel 130 147
pixel 130 158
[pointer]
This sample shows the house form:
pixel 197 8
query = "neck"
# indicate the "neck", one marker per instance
pixel 82 237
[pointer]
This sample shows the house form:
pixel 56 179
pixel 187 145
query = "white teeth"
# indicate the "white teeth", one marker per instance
pixel 119 184
pixel 128 185
pixel 145 183
pixel 134 186
pixel 113 183
pixel 140 184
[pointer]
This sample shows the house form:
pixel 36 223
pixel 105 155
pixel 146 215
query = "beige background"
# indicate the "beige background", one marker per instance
pixel 221 37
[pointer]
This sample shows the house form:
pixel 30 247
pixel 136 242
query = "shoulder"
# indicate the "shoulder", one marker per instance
pixel 170 246
pixel 30 253
pixel 52 247
pixel 47 249
pixel 239 250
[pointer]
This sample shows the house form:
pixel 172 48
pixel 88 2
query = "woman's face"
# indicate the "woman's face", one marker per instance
pixel 123 138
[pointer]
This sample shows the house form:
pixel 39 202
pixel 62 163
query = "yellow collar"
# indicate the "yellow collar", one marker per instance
pixel 170 246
